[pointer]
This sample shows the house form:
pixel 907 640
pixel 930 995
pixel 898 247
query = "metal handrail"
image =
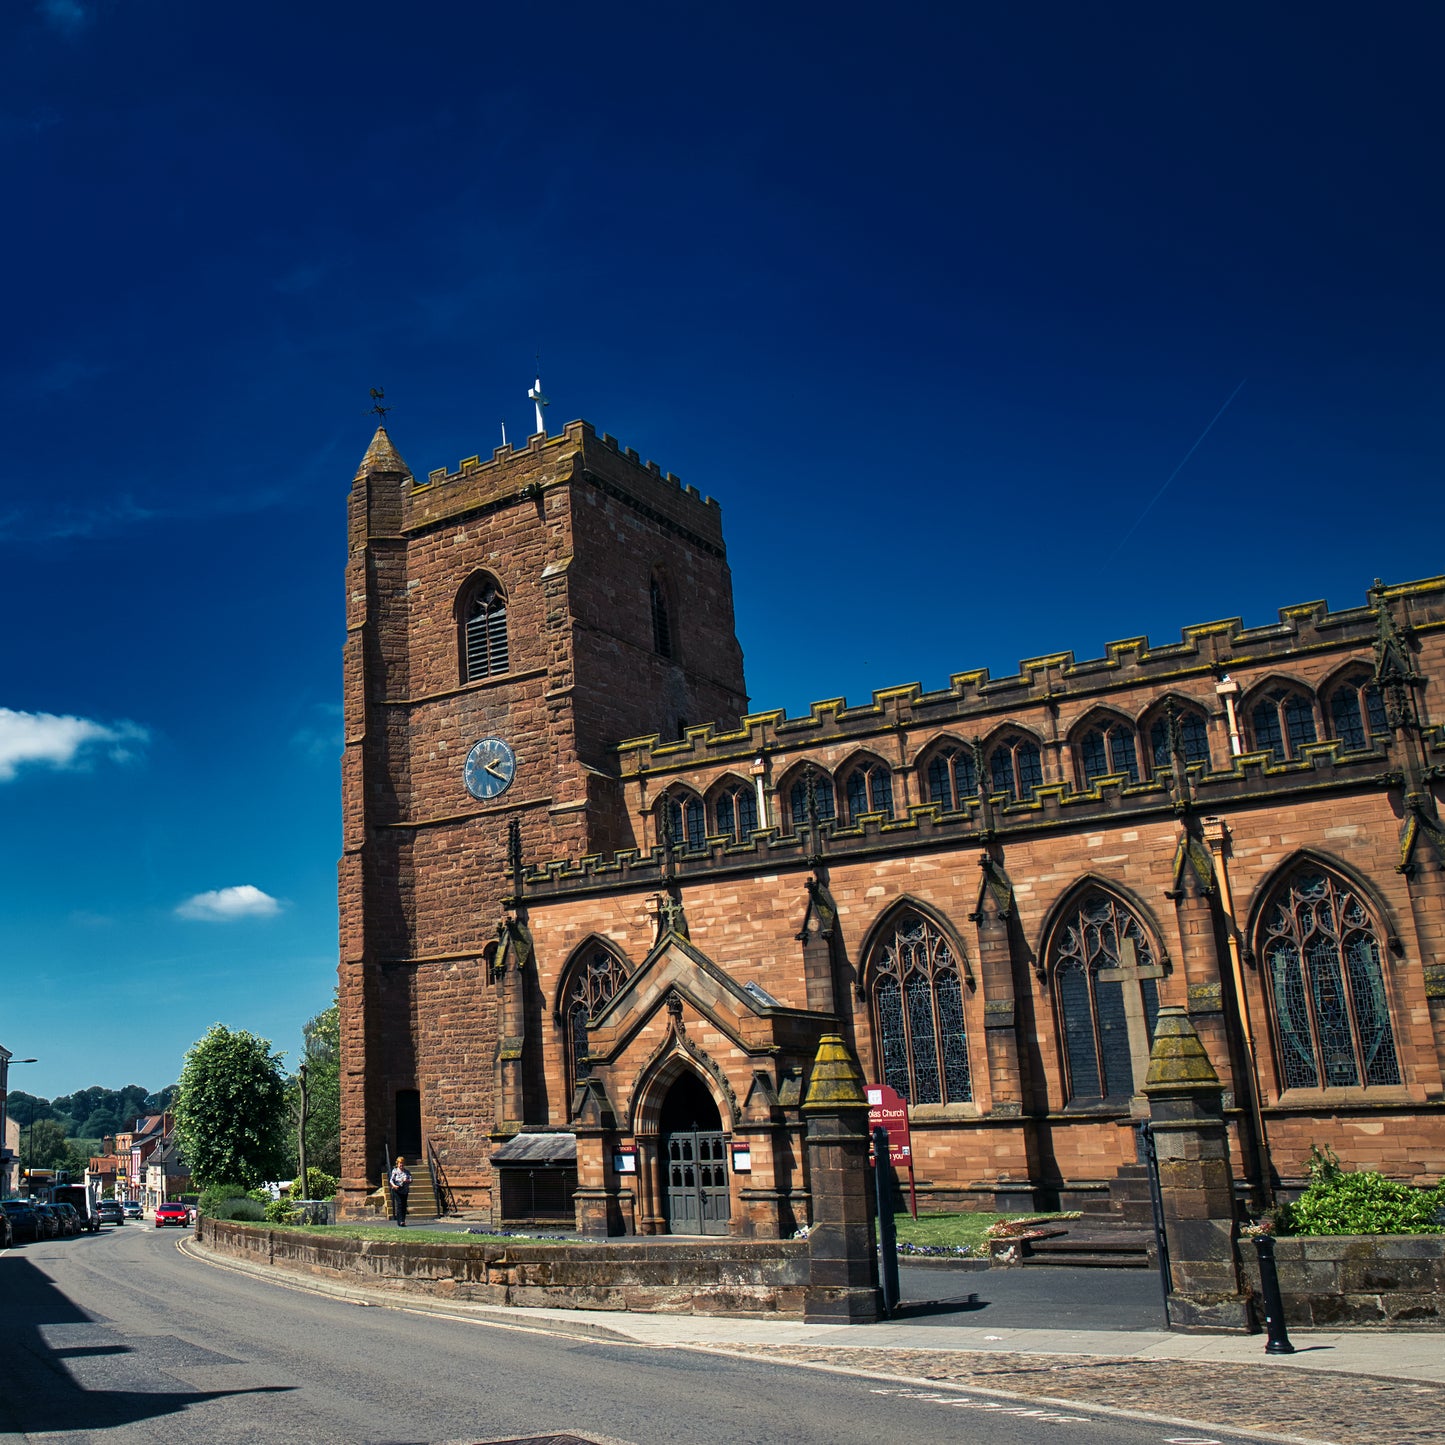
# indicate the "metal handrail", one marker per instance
pixel 446 1201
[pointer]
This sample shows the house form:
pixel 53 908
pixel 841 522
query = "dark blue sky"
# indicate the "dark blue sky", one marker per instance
pixel 932 300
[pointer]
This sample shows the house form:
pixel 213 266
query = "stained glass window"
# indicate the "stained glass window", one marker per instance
pixel 1107 750
pixel 1283 722
pixel 869 789
pixel 735 812
pixel 484 640
pixel 1354 725
pixel 1322 958
pixel 952 778
pixel 1089 989
pixel 661 622
pixel 798 798
pixel 596 977
pixel 684 815
pixel 1016 768
pixel 1192 735
pixel 918 1012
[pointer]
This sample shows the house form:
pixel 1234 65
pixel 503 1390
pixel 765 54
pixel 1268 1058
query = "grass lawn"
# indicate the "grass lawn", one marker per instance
pixel 953 1229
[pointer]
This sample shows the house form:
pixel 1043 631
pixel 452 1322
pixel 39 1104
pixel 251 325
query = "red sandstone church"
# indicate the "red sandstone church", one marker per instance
pixel 596 914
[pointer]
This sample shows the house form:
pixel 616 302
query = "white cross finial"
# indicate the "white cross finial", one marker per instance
pixel 539 401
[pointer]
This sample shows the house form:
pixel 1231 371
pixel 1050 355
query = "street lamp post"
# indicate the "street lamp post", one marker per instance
pixel 5 1062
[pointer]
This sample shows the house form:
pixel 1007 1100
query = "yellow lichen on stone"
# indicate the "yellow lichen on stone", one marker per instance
pixel 836 1081
pixel 1177 1060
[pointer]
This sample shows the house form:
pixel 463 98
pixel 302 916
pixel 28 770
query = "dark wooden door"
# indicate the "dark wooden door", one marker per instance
pixel 697 1182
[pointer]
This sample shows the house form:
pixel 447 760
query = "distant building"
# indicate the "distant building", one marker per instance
pixel 581 879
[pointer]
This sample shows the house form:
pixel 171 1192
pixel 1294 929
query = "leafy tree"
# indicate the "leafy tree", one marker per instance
pixel 231 1117
pixel 43 1145
pixel 323 1090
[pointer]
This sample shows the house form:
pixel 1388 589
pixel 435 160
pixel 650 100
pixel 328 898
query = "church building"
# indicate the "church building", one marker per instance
pixel 597 912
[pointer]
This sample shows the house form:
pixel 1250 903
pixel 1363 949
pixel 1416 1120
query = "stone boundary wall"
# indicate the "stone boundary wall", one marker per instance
pixel 1336 1281
pixel 753 1279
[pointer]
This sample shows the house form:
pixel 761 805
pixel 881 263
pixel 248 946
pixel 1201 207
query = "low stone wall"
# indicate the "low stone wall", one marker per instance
pixel 1357 1280
pixel 767 1278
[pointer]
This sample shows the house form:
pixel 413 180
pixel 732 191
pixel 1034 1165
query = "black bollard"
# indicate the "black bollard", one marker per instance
pixel 1273 1303
pixel 887 1235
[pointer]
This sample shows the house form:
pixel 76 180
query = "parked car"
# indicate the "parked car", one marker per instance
pixel 25 1223
pixel 172 1214
pixel 133 1210
pixel 108 1211
pixel 49 1221
pixel 70 1221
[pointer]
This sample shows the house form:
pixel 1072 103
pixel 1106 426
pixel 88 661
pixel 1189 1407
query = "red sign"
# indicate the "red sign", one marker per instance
pixel 888 1109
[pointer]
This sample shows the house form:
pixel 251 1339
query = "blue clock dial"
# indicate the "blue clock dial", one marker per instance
pixel 491 766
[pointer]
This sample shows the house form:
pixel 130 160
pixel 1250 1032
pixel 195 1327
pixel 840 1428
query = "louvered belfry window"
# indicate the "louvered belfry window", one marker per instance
pixel 485 634
pixel 918 1013
pixel 1322 958
pixel 595 981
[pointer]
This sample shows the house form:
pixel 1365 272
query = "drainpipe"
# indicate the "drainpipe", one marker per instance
pixel 1228 689
pixel 1216 835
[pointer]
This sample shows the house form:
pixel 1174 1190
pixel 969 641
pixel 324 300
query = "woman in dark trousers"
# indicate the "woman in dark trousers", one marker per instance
pixel 400 1183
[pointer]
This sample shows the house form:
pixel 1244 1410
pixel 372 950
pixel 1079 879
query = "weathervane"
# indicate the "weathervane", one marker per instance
pixel 377 397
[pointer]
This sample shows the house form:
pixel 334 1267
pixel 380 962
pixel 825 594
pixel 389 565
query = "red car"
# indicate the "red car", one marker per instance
pixel 172 1214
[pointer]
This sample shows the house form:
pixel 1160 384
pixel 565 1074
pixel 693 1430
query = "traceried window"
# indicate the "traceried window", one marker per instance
pixel 1016 767
pixel 1357 713
pixel 868 789
pixel 661 620
pixel 1106 750
pixel 484 633
pixel 596 977
pixel 952 778
pixel 1191 736
pixel 918 1015
pixel 1283 722
pixel 1089 984
pixel 798 797
pixel 683 815
pixel 735 812
pixel 1321 952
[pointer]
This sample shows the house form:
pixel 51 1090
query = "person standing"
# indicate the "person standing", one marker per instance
pixel 400 1184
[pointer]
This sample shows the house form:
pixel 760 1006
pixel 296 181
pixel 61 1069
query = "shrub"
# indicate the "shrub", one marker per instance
pixel 242 1208
pixel 1342 1201
pixel 282 1211
pixel 211 1199
pixel 317 1185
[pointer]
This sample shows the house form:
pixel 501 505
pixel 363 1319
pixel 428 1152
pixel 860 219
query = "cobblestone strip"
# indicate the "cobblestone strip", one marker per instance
pixel 1320 1405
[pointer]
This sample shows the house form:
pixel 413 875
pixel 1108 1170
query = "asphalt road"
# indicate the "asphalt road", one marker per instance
pixel 119 1338
pixel 1038 1297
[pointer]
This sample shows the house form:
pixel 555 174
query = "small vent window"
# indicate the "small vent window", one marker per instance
pixel 661 622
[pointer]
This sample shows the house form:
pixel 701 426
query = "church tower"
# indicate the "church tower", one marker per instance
pixel 508 624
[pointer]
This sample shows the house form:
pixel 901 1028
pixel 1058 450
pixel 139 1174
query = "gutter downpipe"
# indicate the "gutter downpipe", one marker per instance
pixel 1216 836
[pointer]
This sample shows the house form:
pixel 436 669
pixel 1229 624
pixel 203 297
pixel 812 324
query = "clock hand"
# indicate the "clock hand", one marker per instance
pixel 492 769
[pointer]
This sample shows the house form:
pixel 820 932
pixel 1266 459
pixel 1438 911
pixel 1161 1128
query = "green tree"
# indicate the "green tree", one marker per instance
pixel 231 1116
pixel 43 1145
pixel 323 1091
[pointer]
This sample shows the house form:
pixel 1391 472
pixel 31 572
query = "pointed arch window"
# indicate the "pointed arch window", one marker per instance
pixel 918 1014
pixel 1357 713
pixel 1191 737
pixel 1321 954
pixel 735 812
pixel 484 632
pixel 661 620
pixel 1016 768
pixel 868 789
pixel 952 779
pixel 596 977
pixel 1283 722
pixel 1087 952
pixel 798 797
pixel 682 813
pixel 1107 750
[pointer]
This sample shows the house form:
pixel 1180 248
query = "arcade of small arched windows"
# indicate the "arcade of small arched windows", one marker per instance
pixel 730 812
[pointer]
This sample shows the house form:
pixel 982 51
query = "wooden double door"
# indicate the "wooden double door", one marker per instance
pixel 697 1181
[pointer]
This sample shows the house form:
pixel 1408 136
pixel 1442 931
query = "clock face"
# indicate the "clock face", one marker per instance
pixel 491 766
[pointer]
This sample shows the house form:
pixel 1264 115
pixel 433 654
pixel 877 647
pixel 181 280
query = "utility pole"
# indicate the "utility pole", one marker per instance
pixel 301 1132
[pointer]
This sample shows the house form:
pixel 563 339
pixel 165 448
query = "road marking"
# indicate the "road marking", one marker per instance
pixel 965 1402
pixel 1190 1440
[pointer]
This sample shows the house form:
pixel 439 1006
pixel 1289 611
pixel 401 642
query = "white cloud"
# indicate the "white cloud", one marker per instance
pixel 62 742
pixel 226 905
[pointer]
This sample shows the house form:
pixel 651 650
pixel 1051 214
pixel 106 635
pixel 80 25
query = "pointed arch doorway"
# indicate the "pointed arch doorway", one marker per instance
pixel 694 1156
